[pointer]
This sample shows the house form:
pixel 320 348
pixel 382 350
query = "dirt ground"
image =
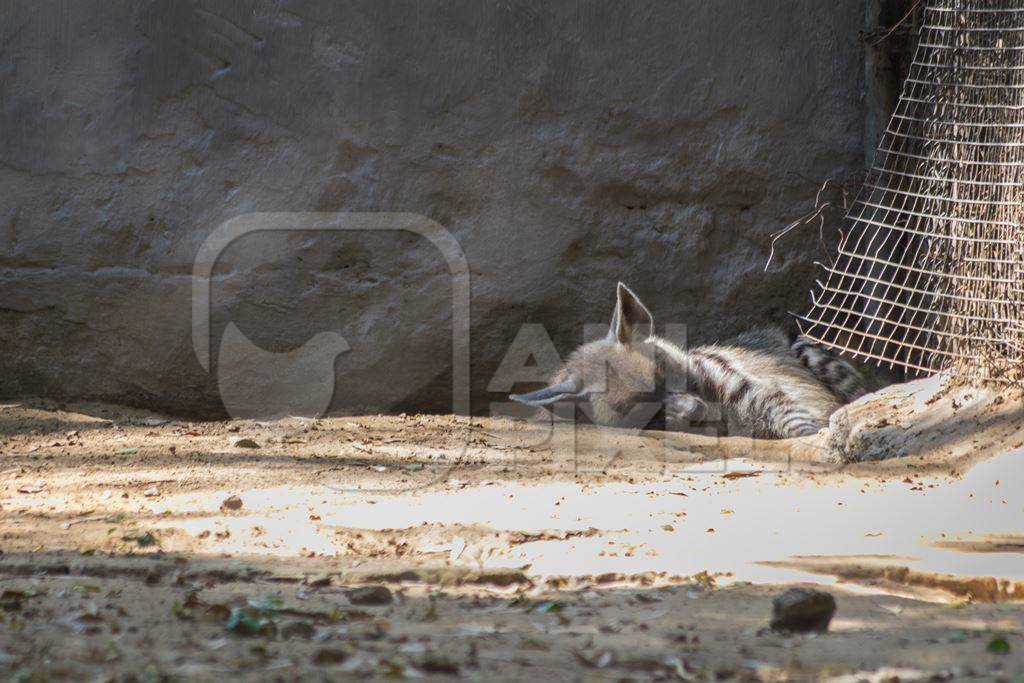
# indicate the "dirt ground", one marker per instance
pixel 138 547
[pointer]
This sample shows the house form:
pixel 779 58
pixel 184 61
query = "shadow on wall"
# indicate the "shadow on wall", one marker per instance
pixel 565 148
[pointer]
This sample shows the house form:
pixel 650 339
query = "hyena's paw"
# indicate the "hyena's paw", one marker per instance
pixel 800 425
pixel 841 378
pixel 683 410
pixel 803 431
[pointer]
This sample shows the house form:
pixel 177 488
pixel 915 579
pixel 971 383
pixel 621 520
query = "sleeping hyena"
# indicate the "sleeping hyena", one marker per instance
pixel 762 383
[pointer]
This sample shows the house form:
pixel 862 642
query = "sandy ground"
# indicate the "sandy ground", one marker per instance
pixel 491 549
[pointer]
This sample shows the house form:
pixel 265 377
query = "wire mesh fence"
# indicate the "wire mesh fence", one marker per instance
pixel 928 272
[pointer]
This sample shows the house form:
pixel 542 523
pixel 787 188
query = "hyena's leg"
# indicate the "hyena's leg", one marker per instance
pixel 841 378
pixel 786 418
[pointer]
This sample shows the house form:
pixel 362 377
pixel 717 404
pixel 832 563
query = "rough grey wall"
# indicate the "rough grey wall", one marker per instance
pixel 566 144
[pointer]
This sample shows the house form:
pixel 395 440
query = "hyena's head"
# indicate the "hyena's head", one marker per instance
pixel 619 380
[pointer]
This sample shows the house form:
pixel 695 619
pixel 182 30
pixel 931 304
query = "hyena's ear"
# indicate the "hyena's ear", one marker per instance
pixel 566 390
pixel 631 321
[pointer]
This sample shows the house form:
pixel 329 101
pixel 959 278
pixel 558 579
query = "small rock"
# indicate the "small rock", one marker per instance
pixel 608 577
pixel 318 580
pixel 326 656
pixel 802 609
pixel 231 503
pixel 151 492
pixel 11 600
pixel 370 595
pixel 439 663
pixel 301 630
pixel 244 442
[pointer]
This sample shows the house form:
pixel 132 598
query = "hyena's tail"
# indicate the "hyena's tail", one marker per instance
pixel 841 378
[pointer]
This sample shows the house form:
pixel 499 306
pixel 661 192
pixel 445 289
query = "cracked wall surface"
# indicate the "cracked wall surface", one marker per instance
pixel 566 145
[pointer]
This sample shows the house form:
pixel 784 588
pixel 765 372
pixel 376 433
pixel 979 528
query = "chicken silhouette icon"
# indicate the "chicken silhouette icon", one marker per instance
pixel 256 383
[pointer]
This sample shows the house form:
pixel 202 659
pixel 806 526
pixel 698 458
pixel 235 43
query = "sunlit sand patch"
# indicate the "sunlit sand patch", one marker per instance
pixel 767 528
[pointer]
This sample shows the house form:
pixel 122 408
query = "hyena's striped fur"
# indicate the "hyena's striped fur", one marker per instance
pixel 841 378
pixel 761 384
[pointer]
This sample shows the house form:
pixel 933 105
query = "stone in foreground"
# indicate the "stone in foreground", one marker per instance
pixel 231 503
pixel 802 610
pixel 370 595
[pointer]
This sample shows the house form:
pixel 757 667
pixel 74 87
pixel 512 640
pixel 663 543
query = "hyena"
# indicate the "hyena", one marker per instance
pixel 763 383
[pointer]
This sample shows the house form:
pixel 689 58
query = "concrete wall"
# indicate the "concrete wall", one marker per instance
pixel 566 144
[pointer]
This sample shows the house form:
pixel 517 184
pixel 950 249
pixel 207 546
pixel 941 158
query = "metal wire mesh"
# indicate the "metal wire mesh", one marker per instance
pixel 928 270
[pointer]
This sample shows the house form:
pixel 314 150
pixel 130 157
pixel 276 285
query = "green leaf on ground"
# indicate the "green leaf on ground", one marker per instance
pixel 244 622
pixel 144 540
pixel 271 603
pixel 549 606
pixel 999 645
